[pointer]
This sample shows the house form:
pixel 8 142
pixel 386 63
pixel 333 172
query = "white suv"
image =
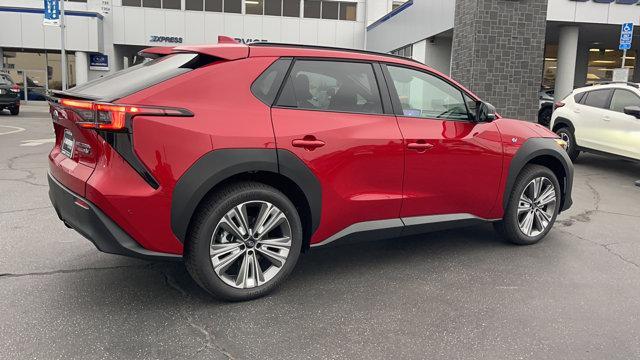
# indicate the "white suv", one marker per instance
pixel 603 118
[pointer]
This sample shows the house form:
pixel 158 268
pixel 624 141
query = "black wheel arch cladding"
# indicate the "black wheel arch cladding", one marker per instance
pixel 541 148
pixel 219 165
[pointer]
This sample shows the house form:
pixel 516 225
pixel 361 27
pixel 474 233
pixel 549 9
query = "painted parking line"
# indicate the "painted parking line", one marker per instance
pixel 14 129
pixel 37 142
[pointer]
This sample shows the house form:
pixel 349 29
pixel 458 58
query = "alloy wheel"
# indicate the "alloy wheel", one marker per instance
pixel 537 206
pixel 250 244
pixel 564 136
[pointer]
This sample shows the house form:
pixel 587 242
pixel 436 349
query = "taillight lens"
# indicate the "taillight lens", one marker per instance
pixel 113 117
pixel 558 104
pixel 15 88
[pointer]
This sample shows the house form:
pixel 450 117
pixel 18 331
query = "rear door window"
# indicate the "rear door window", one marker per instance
pixel 268 83
pixel 136 78
pixel 332 86
pixel 597 98
pixel 623 98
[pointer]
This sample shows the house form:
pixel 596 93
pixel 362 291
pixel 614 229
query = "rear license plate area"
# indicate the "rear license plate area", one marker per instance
pixel 68 144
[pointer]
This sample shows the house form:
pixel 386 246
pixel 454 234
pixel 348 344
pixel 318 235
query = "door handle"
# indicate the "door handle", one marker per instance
pixel 419 146
pixel 606 118
pixel 309 142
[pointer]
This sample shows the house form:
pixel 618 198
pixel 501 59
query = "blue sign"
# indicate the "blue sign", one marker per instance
pixel 626 36
pixel 99 62
pixel 51 13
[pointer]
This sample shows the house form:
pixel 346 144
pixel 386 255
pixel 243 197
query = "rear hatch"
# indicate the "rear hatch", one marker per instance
pixel 85 116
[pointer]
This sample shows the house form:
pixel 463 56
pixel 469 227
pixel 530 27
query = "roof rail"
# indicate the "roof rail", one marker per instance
pixel 320 47
pixel 635 85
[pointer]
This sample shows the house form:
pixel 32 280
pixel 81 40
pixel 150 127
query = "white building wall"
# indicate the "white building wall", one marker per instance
pixel 592 12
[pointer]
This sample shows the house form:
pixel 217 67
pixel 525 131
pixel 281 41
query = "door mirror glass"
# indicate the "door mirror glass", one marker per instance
pixel 485 112
pixel 633 111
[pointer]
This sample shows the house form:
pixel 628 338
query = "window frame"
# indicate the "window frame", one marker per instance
pixel 614 93
pixel 395 98
pixel 381 84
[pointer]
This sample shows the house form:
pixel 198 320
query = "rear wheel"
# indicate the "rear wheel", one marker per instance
pixel 14 110
pixel 533 206
pixel 567 135
pixel 245 240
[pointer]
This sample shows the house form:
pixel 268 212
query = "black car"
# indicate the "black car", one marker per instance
pixel 9 95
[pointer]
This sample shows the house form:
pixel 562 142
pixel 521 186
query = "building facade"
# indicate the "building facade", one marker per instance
pixel 508 50
pixel 105 35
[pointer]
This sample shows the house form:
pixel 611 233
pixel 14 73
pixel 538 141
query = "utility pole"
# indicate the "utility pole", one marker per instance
pixel 63 51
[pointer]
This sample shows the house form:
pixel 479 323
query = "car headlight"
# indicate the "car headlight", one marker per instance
pixel 561 143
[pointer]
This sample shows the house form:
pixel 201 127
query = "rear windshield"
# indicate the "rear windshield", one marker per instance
pixel 136 78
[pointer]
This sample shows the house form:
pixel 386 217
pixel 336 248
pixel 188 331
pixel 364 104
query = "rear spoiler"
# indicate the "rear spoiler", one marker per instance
pixel 226 49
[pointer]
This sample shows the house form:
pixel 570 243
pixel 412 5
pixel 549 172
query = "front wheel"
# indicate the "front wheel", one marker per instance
pixel 14 110
pixel 533 206
pixel 245 240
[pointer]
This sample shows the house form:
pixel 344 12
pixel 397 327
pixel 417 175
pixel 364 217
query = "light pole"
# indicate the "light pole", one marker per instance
pixel 63 52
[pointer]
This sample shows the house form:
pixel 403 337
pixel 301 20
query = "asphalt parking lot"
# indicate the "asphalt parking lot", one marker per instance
pixel 454 294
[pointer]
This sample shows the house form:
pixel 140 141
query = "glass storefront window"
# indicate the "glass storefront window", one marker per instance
pixel 41 69
pixel 253 7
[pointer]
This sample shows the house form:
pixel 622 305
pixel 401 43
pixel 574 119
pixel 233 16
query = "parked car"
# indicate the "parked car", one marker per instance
pixel 602 118
pixel 35 91
pixel 9 95
pixel 236 158
pixel 546 106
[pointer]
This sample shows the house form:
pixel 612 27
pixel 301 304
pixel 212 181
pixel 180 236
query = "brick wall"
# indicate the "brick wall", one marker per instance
pixel 498 52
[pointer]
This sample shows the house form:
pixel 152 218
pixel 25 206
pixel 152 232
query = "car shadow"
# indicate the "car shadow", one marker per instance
pixel 608 164
pixel 316 274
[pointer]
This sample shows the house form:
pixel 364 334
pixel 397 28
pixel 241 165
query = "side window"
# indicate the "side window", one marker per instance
pixel 267 84
pixel 427 96
pixel 622 99
pixel 597 98
pixel 578 98
pixel 332 86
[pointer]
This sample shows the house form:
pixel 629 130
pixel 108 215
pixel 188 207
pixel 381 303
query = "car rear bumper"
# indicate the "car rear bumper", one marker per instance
pixel 84 217
pixel 9 102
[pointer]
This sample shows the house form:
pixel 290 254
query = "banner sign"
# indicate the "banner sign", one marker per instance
pixel 105 7
pixel 51 13
pixel 99 62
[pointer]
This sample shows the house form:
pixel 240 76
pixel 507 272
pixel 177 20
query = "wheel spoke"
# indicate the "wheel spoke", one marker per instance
pixel 542 220
pixel 220 266
pixel 228 223
pixel 272 218
pixel 526 224
pixel 537 186
pixel 257 269
pixel 219 250
pixel 243 274
pixel 276 259
pixel 547 196
pixel 523 206
pixel 284 242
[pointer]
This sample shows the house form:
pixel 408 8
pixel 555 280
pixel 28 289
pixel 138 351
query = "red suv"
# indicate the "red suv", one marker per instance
pixel 238 158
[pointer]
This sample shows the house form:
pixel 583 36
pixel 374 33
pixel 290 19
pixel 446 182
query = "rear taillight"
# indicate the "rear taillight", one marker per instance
pixel 558 104
pixel 114 117
pixel 15 88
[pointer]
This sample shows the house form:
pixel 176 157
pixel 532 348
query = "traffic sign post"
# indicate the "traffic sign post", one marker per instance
pixel 626 37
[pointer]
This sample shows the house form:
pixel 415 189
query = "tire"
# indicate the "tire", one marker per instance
pixel 14 110
pixel 210 230
pixel 544 117
pixel 510 226
pixel 566 134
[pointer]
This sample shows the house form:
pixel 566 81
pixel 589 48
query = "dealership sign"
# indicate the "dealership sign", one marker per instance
pixel 166 39
pixel 51 13
pixel 99 62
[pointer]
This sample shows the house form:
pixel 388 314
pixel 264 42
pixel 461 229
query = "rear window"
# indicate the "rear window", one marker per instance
pixel 597 98
pixel 136 78
pixel 578 97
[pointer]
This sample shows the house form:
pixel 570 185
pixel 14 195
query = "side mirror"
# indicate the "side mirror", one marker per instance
pixel 633 111
pixel 485 112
